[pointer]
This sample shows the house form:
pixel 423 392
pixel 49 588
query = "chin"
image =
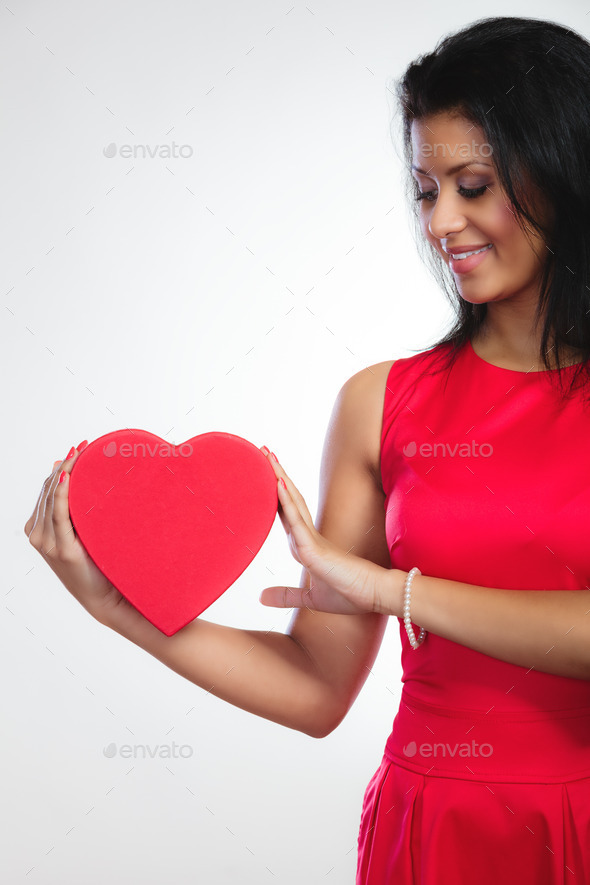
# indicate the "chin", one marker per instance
pixel 472 299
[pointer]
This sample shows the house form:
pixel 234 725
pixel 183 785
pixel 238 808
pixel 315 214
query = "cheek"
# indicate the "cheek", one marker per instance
pixel 503 222
pixel 498 224
pixel 505 219
pixel 501 226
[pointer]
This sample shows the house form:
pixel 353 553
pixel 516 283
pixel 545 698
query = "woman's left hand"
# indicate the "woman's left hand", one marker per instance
pixel 340 582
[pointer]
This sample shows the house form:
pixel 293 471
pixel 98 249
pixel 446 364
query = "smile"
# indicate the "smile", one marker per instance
pixel 460 255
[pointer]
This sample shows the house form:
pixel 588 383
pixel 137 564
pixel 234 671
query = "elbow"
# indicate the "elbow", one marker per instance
pixel 323 726
pixel 318 732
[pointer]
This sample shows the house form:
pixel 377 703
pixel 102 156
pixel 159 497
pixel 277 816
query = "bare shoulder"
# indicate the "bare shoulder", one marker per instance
pixel 360 406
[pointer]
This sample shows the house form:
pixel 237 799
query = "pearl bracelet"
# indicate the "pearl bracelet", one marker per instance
pixel 407 620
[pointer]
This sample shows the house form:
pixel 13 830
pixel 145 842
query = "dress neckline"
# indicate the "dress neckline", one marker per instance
pixel 515 371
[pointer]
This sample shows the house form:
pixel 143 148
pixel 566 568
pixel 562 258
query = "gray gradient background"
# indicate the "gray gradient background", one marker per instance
pixel 236 289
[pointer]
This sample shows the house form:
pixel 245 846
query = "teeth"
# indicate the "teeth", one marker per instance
pixel 461 255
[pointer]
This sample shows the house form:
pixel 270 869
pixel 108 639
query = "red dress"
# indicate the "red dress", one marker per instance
pixel 485 777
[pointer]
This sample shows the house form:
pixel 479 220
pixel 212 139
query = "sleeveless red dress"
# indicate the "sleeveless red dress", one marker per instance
pixel 485 777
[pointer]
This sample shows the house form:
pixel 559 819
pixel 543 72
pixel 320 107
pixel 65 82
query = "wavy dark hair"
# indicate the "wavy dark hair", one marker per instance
pixel 526 83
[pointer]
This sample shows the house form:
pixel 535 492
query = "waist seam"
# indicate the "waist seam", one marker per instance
pixel 487 777
pixel 409 701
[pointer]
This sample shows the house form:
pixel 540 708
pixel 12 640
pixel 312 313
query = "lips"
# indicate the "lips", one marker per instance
pixel 459 250
pixel 460 263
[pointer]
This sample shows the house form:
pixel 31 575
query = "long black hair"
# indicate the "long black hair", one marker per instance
pixel 526 83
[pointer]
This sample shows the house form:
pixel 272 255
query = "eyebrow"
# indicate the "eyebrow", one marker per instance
pixel 455 168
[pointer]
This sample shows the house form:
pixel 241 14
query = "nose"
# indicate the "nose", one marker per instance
pixel 446 217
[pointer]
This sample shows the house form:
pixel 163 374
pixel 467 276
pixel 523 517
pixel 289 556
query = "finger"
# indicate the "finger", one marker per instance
pixel 298 499
pixel 49 539
pixel 63 528
pixel 65 536
pixel 303 528
pixel 278 471
pixel 34 525
pixel 294 492
pixel 298 502
pixel 286 523
pixel 36 519
pixel 283 597
pixel 32 520
pixel 45 516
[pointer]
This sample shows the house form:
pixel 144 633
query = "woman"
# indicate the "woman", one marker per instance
pixel 451 482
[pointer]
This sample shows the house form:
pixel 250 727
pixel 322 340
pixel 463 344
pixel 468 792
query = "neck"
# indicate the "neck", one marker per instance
pixel 508 339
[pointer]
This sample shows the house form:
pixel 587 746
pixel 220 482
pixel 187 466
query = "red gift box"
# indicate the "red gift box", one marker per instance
pixel 172 527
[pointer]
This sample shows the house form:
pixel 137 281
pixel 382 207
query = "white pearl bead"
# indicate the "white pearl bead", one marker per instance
pixel 415 643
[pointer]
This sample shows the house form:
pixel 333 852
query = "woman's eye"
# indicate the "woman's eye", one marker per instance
pixel 467 192
pixel 471 192
pixel 424 195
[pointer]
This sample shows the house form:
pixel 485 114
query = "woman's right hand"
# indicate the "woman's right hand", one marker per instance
pixel 51 532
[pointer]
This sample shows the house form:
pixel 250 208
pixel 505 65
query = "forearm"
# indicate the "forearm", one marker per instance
pixel 266 673
pixel 548 630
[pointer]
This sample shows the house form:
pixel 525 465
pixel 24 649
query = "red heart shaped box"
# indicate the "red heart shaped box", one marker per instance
pixel 172 527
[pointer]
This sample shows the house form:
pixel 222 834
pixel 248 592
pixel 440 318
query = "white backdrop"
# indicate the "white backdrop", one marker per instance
pixel 234 286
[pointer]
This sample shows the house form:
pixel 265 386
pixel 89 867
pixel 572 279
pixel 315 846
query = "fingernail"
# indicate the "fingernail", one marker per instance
pixel 70 453
pixel 62 476
pixel 55 463
pixel 265 450
pixel 272 455
pixel 283 483
pixel 81 446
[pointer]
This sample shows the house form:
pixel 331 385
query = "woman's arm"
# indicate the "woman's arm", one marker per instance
pixel 546 630
pixel 265 673
pixel 308 678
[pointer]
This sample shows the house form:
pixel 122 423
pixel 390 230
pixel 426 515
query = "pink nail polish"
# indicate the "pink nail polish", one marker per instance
pixel 272 455
pixel 283 483
pixel 81 446
pixel 70 453
pixel 264 450
pixel 62 476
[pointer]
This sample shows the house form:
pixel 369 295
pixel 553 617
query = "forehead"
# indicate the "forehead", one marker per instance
pixel 445 123
pixel 447 138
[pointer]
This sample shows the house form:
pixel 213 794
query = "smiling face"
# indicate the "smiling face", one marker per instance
pixel 465 207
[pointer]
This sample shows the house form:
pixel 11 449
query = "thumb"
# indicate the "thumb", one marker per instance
pixel 282 597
